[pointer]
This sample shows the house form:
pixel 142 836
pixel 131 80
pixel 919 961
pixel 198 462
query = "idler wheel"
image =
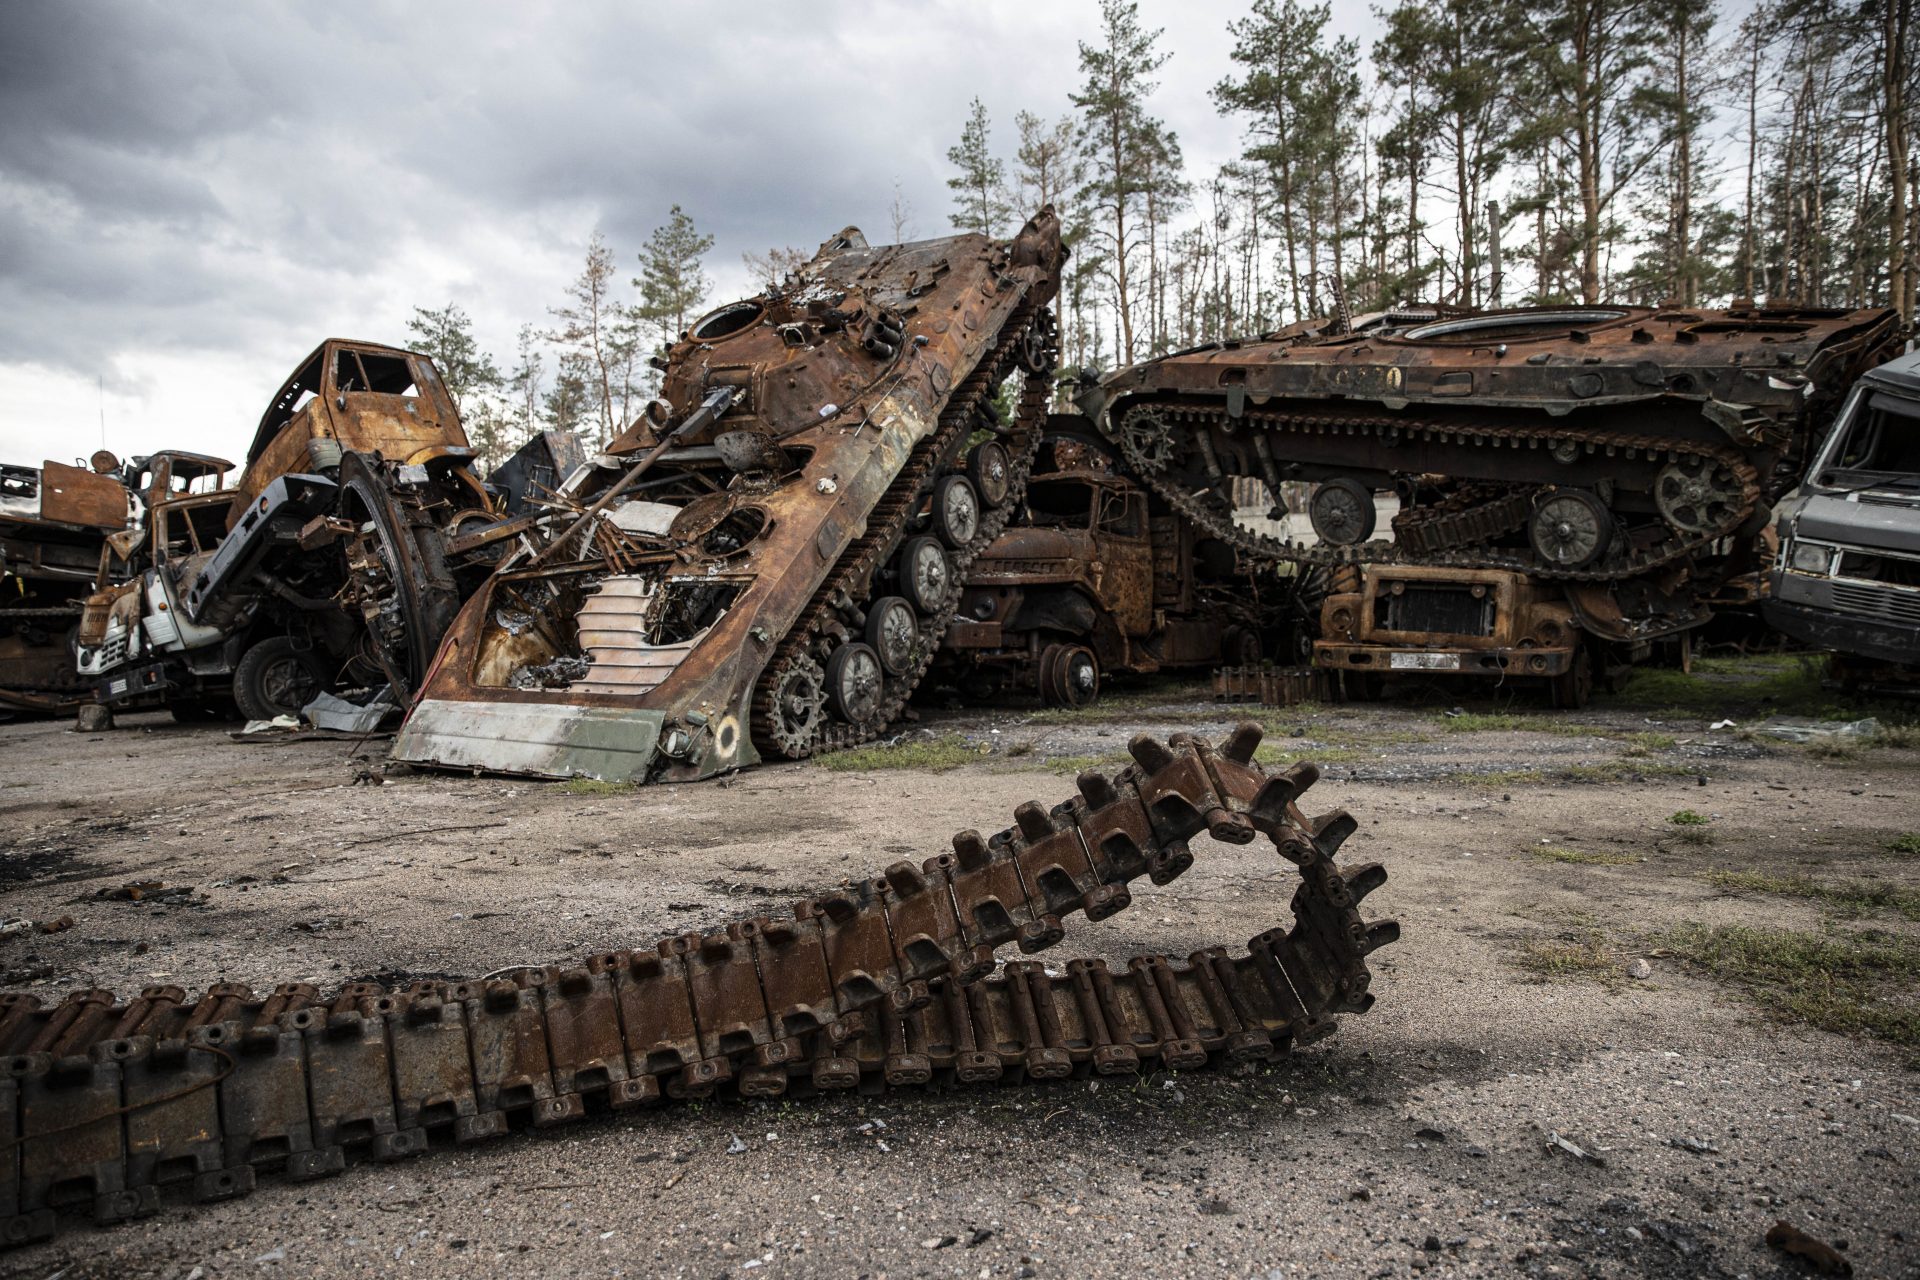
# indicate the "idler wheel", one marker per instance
pixel 1342 512
pixel 925 575
pixel 1570 529
pixel 956 511
pixel 893 630
pixel 991 471
pixel 1697 495
pixel 855 682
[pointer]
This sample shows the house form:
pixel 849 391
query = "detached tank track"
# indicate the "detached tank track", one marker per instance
pixel 1616 567
pixel 1477 513
pixel 105 1106
pixel 852 578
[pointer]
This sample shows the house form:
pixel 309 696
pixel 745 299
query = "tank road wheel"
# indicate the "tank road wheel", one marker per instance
pixel 991 472
pixel 1573 688
pixel 798 703
pixel 1069 675
pixel 956 511
pixel 1342 512
pixel 276 679
pixel 1698 495
pixel 894 632
pixel 1570 529
pixel 854 682
pixel 1039 345
pixel 925 575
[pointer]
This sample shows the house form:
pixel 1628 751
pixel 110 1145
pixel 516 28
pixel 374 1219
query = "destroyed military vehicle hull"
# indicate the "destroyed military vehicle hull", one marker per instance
pixel 765 566
pixel 1625 458
pixel 111 1110
pixel 1098 575
pixel 54 523
pixel 338 559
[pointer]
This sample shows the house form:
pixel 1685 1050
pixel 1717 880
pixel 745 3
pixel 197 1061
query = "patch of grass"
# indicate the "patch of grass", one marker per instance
pixel 1515 722
pixel 593 787
pixel 1555 853
pixel 1833 748
pixel 1899 737
pixel 1852 896
pixel 1646 741
pixel 1696 836
pixel 1072 766
pixel 1574 957
pixel 1122 704
pixel 1688 818
pixel 1605 771
pixel 1743 664
pixel 1273 753
pixel 1853 983
pixel 1907 842
pixel 949 751
pixel 1791 685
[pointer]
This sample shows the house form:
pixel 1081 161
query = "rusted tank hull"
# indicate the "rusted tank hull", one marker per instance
pixel 767 564
pixel 112 1109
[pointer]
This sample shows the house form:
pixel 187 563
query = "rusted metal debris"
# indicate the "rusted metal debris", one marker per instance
pixel 1619 462
pixel 1096 575
pixel 764 564
pixel 1276 686
pixel 105 1107
pixel 338 558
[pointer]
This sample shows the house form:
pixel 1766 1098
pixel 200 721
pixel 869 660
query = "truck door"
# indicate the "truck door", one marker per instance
pixel 1127 559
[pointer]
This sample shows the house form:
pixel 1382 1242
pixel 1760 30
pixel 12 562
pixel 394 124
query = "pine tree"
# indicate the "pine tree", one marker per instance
pixel 447 336
pixel 672 282
pixel 979 189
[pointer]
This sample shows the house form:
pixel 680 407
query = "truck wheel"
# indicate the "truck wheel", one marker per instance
pixel 1573 688
pixel 854 682
pixel 925 575
pixel 1240 647
pixel 893 631
pixel 1069 675
pixel 956 511
pixel 274 678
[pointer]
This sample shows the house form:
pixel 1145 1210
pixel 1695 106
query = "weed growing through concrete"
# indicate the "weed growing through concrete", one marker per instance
pixel 1843 981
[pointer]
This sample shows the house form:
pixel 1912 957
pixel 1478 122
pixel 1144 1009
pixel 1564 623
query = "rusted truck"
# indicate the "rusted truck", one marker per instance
pixel 763 564
pixel 338 558
pixel 1098 575
pixel 1574 483
pixel 54 524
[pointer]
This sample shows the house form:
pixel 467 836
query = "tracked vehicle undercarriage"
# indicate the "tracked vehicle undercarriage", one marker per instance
pixel 766 563
pixel 1629 455
pixel 107 1108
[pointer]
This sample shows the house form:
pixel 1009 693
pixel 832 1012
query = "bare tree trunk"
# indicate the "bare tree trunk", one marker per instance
pixel 1899 21
pixel 1753 158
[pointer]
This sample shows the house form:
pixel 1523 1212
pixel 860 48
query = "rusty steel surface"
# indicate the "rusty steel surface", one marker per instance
pixel 1632 448
pixel 109 1108
pixel 764 564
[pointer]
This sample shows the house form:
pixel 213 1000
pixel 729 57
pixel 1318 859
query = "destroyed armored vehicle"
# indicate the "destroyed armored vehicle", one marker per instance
pixel 338 558
pixel 765 563
pixel 1622 458
pixel 1098 575
pixel 1848 574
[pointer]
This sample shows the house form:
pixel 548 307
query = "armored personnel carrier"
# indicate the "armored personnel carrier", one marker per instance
pixel 765 563
pixel 1625 458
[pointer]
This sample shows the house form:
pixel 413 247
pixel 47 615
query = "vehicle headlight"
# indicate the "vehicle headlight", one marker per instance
pixel 1810 557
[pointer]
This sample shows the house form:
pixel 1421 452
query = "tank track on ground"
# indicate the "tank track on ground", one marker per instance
pixel 110 1110
pixel 1149 447
pixel 852 581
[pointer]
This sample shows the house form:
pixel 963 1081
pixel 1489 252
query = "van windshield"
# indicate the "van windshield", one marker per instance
pixel 1880 439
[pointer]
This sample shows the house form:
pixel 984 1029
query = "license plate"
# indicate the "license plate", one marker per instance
pixel 1425 662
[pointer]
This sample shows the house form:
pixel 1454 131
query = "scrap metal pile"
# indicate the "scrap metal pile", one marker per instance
pixel 105 1106
pixel 765 564
pixel 1627 456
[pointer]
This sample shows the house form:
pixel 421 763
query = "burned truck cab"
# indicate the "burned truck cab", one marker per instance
pixel 1848 573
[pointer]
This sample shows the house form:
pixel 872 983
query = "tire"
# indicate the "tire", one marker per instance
pixel 1240 647
pixel 1069 675
pixel 1342 512
pixel 1570 529
pixel 991 471
pixel 893 631
pixel 275 678
pixel 956 511
pixel 1573 689
pixel 855 683
pixel 926 576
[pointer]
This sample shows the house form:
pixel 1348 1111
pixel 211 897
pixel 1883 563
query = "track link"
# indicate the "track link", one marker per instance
pixel 109 1110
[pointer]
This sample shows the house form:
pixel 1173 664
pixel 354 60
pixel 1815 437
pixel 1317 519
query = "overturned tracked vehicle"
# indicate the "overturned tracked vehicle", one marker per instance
pixel 765 564
pixel 1626 458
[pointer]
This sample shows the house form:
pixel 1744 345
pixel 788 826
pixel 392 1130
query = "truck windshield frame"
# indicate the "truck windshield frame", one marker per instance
pixel 1875 440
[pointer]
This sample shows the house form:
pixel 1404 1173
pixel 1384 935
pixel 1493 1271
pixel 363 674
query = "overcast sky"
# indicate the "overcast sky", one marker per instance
pixel 192 196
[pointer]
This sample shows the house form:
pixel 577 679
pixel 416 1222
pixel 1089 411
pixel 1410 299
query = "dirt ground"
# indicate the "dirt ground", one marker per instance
pixel 1533 857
